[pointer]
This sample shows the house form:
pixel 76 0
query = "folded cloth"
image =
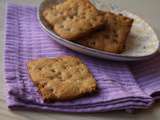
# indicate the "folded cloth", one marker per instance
pixel 121 85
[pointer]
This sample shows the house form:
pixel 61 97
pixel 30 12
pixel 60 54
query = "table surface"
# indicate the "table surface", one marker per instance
pixel 147 9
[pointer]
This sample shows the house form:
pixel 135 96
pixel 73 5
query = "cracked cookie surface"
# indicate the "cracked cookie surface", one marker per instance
pixel 62 78
pixel 73 19
pixel 114 35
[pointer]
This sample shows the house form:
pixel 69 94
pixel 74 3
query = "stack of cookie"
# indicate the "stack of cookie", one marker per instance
pixel 80 22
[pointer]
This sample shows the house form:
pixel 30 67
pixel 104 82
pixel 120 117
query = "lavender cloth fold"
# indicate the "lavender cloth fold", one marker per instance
pixel 122 86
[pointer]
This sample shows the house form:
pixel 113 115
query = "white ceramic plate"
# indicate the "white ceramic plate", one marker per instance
pixel 142 42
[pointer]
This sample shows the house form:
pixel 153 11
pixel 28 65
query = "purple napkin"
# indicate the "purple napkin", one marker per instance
pixel 121 85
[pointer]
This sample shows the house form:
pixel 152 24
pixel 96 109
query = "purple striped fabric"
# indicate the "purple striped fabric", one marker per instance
pixel 122 86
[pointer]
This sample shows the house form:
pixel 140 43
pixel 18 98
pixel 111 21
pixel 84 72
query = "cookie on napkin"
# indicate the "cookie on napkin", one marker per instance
pixel 73 19
pixel 113 37
pixel 62 78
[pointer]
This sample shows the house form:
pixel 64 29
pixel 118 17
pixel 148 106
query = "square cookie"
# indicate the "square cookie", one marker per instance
pixel 73 19
pixel 114 35
pixel 62 78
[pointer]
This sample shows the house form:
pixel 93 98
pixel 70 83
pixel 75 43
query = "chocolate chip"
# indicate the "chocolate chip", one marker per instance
pixel 53 70
pixel 67 29
pixel 61 26
pixel 39 68
pixel 92 43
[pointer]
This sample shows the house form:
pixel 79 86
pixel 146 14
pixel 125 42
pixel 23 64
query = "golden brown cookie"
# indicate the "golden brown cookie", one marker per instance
pixel 73 19
pixel 62 78
pixel 113 37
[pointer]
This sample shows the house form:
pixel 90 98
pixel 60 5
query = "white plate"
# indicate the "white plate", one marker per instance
pixel 142 42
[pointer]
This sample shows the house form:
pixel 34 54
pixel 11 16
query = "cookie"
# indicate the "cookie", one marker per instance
pixel 73 19
pixel 62 78
pixel 114 35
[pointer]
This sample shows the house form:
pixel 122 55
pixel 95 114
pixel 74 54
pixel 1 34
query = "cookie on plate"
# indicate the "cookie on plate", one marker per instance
pixel 113 37
pixel 73 19
pixel 62 78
